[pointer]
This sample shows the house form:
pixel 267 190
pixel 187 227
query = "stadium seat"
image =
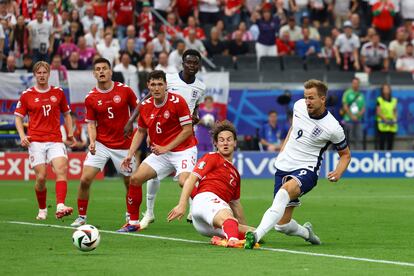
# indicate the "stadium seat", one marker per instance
pixel 248 62
pixel 117 76
pixel 300 76
pixel 378 78
pixel 245 76
pixel 292 63
pixel 270 64
pixel 252 47
pixel 274 76
pixel 402 78
pixel 223 62
pixel 315 63
pixel 333 66
pixel 340 76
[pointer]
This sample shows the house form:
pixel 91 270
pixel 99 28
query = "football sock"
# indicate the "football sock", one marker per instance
pixel 292 228
pixel 231 228
pixel 190 204
pixel 134 201
pixel 273 215
pixel 61 190
pixel 82 206
pixel 41 198
pixel 153 185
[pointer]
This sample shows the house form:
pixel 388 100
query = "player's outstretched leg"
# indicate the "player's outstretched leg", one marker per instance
pixel 292 228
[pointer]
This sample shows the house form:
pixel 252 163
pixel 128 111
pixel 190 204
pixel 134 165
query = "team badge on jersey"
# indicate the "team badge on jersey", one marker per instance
pixel 166 114
pixel 117 99
pixel 194 94
pixel 201 165
pixel 53 99
pixel 317 131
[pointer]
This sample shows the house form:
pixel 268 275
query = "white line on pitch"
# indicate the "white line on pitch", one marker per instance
pixel 202 242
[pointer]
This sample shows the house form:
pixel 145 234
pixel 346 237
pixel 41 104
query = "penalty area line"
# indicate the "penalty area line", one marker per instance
pixel 202 242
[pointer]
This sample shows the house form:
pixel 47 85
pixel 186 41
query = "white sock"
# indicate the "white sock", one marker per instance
pixel 153 185
pixel 60 205
pixel 44 210
pixel 133 222
pixel 273 215
pixel 190 203
pixel 292 228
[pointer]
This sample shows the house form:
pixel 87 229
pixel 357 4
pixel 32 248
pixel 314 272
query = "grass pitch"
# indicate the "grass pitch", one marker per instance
pixel 365 226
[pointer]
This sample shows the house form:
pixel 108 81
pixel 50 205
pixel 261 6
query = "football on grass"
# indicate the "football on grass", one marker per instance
pixel 86 237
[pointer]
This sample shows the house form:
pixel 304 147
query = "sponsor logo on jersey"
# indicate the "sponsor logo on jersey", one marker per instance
pixel 152 116
pixel 201 165
pixel 53 99
pixel 166 114
pixel 195 94
pixel 117 99
pixel 317 131
pixel 99 102
pixel 36 100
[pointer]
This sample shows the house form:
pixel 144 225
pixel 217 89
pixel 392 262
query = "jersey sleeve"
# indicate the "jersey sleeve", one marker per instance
pixel 141 121
pixel 183 112
pixel 64 107
pixel 90 112
pixel 206 164
pixel 21 108
pixel 338 138
pixel 236 195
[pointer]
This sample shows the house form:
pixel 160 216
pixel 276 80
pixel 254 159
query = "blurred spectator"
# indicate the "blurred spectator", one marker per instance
pixel 75 25
pixel 374 56
pixel 129 72
pixel 146 23
pixel 73 62
pixel 67 47
pixel 208 116
pixel 306 46
pixel 94 37
pixel 40 38
pixel 27 62
pixel 313 32
pixel 328 50
pixel 253 6
pixel 74 16
pixel 138 42
pixel 342 9
pixel 19 40
pixel 318 12
pixel 285 46
pixel 280 12
pixel 90 18
pixel 163 64
pixel 254 29
pixel 268 30
pixel 173 30
pixel 10 65
pixel 209 11
pixel 163 7
pixel 175 58
pixel 271 134
pixel 406 62
pixel 346 49
pixel 357 28
pixel 149 49
pixel 237 46
pixel 397 46
pixel 75 31
pixel 80 6
pixel 335 32
pixel 79 133
pixel 101 8
pixel 383 13
pixel 246 34
pixel 161 44
pixel 221 30
pixel 192 25
pixel 4 14
pixel 407 9
pixel 86 53
pixel 65 21
pixel 370 33
pixel 194 43
pixel 123 15
pixel 28 9
pixel 147 64
pixel 232 14
pixel 107 50
pixel 185 8
pixel 53 17
pixel 130 50
pixel 408 29
pixel 213 45
pixel 387 118
pixel 295 32
pixel 61 69
pixel 353 109
pixel 297 7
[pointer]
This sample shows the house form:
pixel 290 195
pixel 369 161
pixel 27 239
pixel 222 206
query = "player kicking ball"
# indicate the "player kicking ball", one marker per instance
pixel 43 104
pixel 167 119
pixel 297 165
pixel 217 210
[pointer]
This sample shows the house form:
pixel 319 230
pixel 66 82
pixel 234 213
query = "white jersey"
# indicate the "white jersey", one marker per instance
pixel 193 93
pixel 309 138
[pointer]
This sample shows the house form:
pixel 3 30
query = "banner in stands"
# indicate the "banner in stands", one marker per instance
pixel 217 86
pixel 16 166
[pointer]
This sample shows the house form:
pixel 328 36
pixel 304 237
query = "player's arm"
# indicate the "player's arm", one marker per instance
pixel 92 136
pixel 187 131
pixel 136 142
pixel 68 123
pixel 344 159
pixel 238 212
pixel 282 147
pixel 129 125
pixel 179 210
pixel 195 116
pixel 24 140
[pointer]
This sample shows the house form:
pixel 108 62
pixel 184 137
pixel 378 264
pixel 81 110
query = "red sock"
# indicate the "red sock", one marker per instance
pixel 41 198
pixel 134 201
pixel 82 206
pixel 241 235
pixel 61 190
pixel 231 228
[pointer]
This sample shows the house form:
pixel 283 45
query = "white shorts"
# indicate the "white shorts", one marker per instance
pixel 205 207
pixel 103 154
pixel 44 152
pixel 167 163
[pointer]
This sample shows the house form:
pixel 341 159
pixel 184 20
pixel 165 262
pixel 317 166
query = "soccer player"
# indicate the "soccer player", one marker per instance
pixel 297 165
pixel 167 119
pixel 108 107
pixel 43 104
pixel 217 211
pixel 186 84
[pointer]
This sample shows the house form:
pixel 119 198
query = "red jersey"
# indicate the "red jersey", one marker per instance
pixel 199 32
pixel 218 176
pixel 383 19
pixel 44 110
pixel 185 7
pixel 164 122
pixel 111 110
pixel 146 31
pixel 124 12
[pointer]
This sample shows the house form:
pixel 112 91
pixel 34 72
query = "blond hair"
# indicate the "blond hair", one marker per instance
pixel 41 64
pixel 321 87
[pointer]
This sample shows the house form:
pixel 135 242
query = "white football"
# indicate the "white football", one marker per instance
pixel 86 237
pixel 208 119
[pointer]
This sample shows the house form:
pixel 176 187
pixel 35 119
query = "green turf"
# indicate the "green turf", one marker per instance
pixel 359 218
